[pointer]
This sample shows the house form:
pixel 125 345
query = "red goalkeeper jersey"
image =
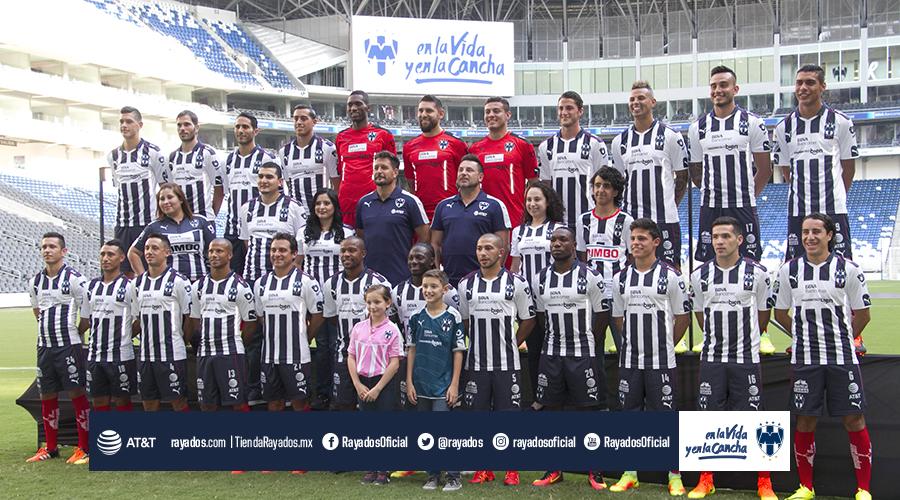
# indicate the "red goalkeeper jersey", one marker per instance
pixel 509 163
pixel 430 164
pixel 356 151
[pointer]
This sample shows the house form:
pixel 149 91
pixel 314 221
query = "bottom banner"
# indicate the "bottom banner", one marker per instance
pixel 384 441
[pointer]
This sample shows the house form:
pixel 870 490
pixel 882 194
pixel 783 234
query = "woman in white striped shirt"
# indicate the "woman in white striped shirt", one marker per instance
pixel 530 251
pixel 322 237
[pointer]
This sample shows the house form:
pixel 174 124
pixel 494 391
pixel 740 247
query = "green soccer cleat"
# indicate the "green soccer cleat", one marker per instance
pixel 698 347
pixel 802 493
pixel 625 483
pixel 681 347
pixel 676 487
pixel 765 344
pixel 862 494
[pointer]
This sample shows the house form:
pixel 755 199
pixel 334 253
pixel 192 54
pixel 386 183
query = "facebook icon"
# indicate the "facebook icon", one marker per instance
pixel 381 51
pixel 330 441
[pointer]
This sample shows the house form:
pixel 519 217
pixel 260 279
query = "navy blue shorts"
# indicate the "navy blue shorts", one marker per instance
pixel 841 237
pixel 112 379
pixel 730 386
pixel 60 368
pixel 342 391
pixel 578 381
pixel 222 380
pixel 669 248
pixel 840 385
pixel 496 390
pixel 163 380
pixel 752 245
pixel 281 381
pixel 647 389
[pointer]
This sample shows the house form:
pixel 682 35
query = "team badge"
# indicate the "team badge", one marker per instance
pixel 829 130
pixel 743 127
pixel 660 141
pixel 662 286
pixel 297 290
pixel 446 325
pixel 232 293
pixel 510 290
pixel 748 281
pixel 371 136
pixel 483 205
pixel 195 224
pixel 840 278
pixel 443 144
pixel 582 285
pixel 770 437
pixel 320 157
pixel 120 293
pixel 585 150
pixel 508 147
pixel 283 215
pixel 64 286
pixel 170 286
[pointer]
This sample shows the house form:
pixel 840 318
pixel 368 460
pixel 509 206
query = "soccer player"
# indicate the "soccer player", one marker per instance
pixel 815 146
pixel 653 159
pixel 223 311
pixel 188 234
pixel 345 306
pixel 569 158
pixel 241 168
pixel 195 167
pixel 161 308
pixel 431 159
pixel 408 298
pixel 509 161
pixel 106 310
pixel 289 303
pixel 322 237
pixel 356 148
pixel 491 301
pixel 387 218
pixel 726 146
pixel 569 298
pixel 829 299
pixel 436 346
pixel 651 308
pixel 461 219
pixel 604 234
pixel 262 217
pixel 730 298
pixel 138 168
pixel 56 295
pixel 309 160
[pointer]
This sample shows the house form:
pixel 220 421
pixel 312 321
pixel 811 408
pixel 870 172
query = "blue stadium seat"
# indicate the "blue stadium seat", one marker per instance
pixel 239 40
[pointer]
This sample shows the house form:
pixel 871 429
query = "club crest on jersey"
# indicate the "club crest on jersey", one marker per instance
pixel 446 325
pixel 748 281
pixel 769 437
pixel 145 159
pixel 582 285
pixel 510 290
pixel 617 230
pixel 170 286
pixel 297 290
pixel 743 127
pixel 483 205
pixel 371 136
pixel 829 129
pixel 232 293
pixel 195 224
pixel 120 293
pixel 840 278
pixel 443 144
pixel 508 147
pixel 585 150
pixel 320 157
pixel 198 160
pixel 662 286
pixel 64 286
pixel 400 202
pixel 283 215
pixel 660 141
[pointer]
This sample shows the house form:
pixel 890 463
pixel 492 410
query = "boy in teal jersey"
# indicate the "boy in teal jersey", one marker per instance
pixel 434 359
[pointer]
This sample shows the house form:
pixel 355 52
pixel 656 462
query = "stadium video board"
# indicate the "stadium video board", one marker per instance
pixel 425 56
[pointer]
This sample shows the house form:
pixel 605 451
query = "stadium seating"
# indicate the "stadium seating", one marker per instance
pixel 242 42
pixel 872 206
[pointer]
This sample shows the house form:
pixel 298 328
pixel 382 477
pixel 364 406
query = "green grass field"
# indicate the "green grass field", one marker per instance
pixel 55 478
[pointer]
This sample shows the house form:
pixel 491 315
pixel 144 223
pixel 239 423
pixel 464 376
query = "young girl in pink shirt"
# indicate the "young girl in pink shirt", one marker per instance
pixel 373 357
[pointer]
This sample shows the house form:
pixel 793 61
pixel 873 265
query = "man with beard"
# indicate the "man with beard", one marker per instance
pixel 431 159
pixel 464 218
pixel 309 160
pixel 386 219
pixel 195 168
pixel 241 168
pixel 356 148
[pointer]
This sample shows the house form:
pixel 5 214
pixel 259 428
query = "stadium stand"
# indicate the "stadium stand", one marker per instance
pixel 873 209
pixel 244 43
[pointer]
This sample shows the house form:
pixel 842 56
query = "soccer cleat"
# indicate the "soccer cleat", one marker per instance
pixel 512 478
pixel 681 346
pixel 397 474
pixel 765 344
pixel 676 487
pixel 236 472
pixel 612 349
pixel 369 478
pixel 596 480
pixel 43 454
pixel 431 484
pixel 802 493
pixel 523 348
pixel 764 489
pixel 77 455
pixel 625 483
pixel 298 472
pixel 705 486
pixel 482 476
pixel 452 484
pixel 862 494
pixel 860 348
pixel 698 347
pixel 550 477
pixel 381 478
pixel 85 460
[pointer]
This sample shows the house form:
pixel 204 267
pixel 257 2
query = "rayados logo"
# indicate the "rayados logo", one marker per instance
pixel 109 442
pixel 381 51
pixel 770 437
pixel 721 443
